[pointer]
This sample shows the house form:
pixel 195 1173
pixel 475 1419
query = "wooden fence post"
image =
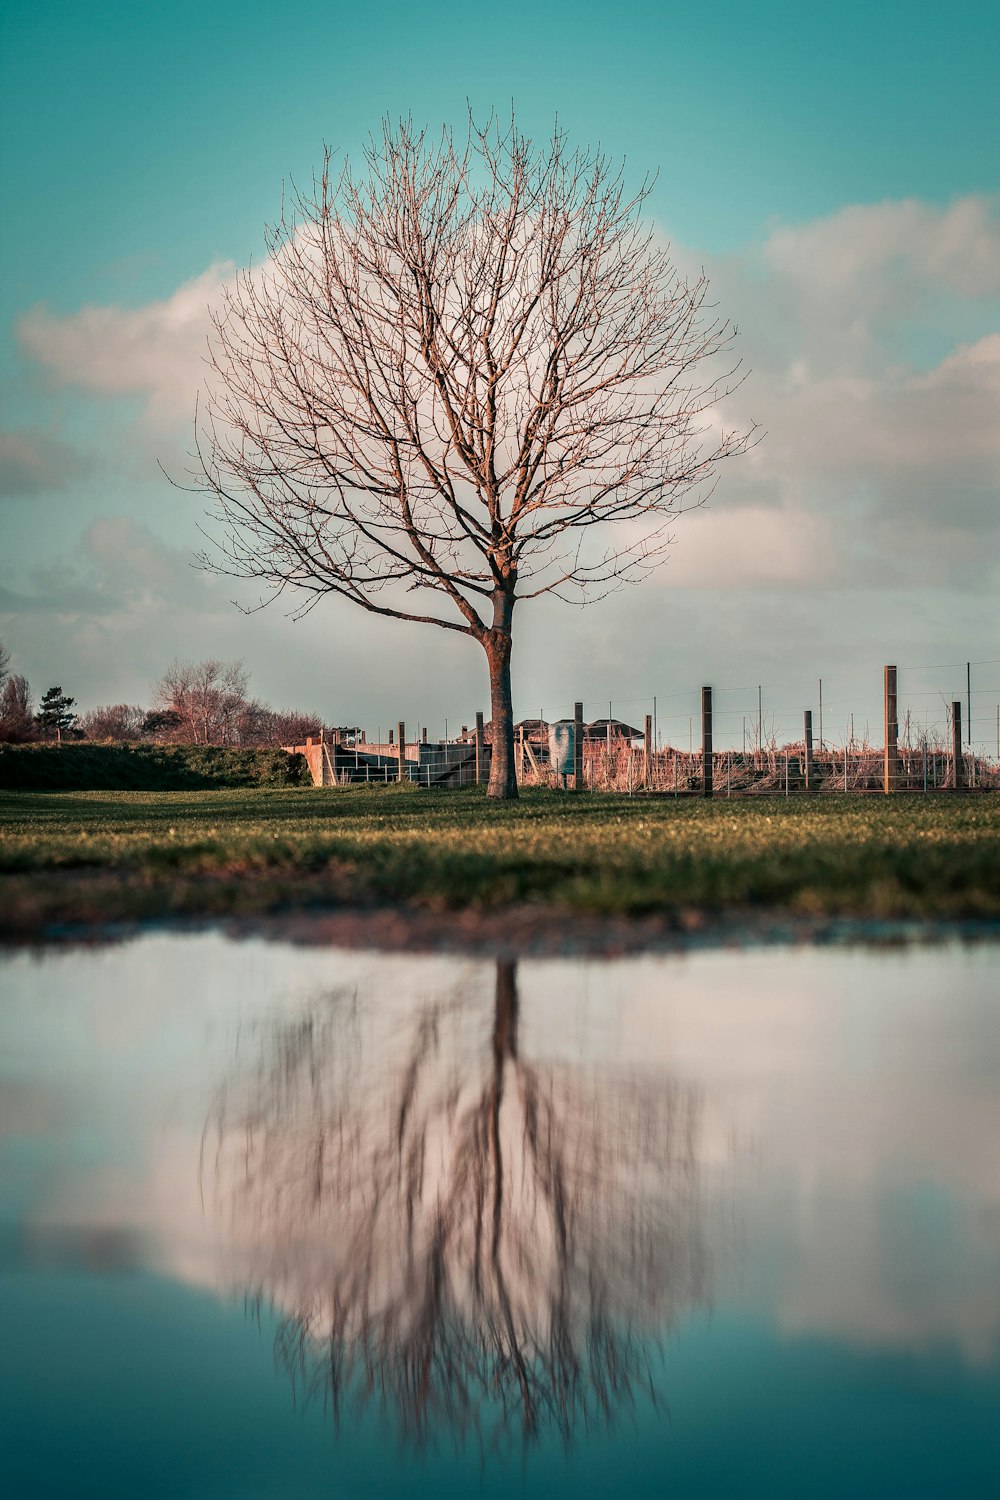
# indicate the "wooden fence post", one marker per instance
pixel 401 733
pixel 480 751
pixel 891 775
pixel 808 729
pixel 956 744
pixel 578 747
pixel 706 740
pixel 647 750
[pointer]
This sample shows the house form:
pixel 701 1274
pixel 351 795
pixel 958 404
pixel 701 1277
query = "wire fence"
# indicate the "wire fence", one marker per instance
pixel 767 738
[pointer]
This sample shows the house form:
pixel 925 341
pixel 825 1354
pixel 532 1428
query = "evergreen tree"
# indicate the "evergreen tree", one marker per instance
pixel 54 716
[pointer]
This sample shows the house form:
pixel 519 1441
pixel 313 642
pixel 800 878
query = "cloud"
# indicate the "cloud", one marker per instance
pixel 33 461
pixel 864 429
pixel 122 571
pixel 850 257
pixel 866 518
pixel 155 352
pixel 879 420
pixel 756 545
pixel 110 621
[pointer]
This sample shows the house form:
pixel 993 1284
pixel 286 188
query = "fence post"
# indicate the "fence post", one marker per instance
pixel 706 740
pixel 647 750
pixel 956 744
pixel 578 747
pixel 480 750
pixel 891 775
pixel 808 734
pixel 401 749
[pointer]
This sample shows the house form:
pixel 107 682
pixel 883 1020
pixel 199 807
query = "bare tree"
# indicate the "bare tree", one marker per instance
pixel 454 370
pixel 17 714
pixel 208 699
pixel 113 721
pixel 4 664
pixel 454 1230
pixel 288 727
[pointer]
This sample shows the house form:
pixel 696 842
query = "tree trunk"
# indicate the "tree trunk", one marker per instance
pixel 506 1008
pixel 503 779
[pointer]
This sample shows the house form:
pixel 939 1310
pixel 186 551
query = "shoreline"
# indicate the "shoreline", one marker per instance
pixel 522 931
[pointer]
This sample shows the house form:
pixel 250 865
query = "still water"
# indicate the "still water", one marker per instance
pixel 282 1220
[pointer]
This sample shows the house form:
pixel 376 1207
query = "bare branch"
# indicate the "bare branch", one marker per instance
pixel 453 363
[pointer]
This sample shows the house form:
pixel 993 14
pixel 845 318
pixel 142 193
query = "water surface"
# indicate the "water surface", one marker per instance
pixel 283 1220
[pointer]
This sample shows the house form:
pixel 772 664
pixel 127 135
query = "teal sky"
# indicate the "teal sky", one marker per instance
pixel 144 143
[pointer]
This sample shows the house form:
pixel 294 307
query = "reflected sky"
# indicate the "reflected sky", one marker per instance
pixel 417 1212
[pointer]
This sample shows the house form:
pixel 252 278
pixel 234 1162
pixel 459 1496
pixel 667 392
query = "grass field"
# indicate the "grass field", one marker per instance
pixel 101 856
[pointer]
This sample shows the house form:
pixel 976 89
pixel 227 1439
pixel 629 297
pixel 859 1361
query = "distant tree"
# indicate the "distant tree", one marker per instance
pixel 162 724
pixel 17 721
pixel 55 716
pixel 291 728
pixel 209 699
pixel 4 664
pixel 251 724
pixel 113 721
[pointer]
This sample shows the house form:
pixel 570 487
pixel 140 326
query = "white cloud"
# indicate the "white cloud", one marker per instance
pixel 752 546
pixel 872 337
pixel 156 351
pixel 835 318
pixel 852 254
pixel 873 342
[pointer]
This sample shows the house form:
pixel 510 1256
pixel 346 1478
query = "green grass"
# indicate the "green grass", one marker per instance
pixel 88 856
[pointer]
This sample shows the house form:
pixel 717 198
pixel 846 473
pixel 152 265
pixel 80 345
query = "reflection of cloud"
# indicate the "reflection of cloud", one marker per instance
pixel 909 1271
pixel 872 1106
pixel 849 1110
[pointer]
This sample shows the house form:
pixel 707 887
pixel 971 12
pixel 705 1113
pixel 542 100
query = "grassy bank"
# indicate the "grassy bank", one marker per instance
pixel 146 768
pixel 105 856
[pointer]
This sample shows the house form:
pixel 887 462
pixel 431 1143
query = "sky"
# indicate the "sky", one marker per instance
pixel 833 168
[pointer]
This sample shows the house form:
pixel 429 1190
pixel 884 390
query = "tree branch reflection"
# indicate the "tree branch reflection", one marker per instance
pixel 469 1239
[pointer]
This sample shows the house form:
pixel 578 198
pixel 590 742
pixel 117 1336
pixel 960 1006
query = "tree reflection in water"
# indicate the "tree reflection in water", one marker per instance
pixel 470 1239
